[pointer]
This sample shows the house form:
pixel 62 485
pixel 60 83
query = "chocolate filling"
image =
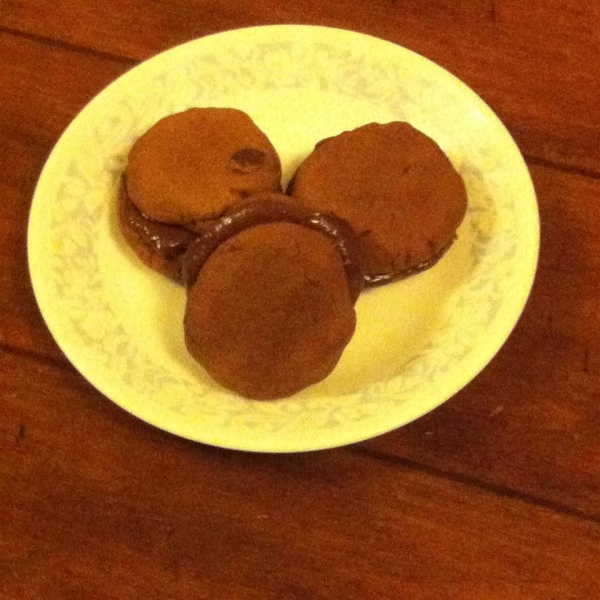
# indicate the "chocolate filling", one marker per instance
pixel 269 209
pixel 172 242
pixel 168 241
pixel 377 280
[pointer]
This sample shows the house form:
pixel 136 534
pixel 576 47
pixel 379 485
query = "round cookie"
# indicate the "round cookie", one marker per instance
pixel 193 165
pixel 395 187
pixel 276 208
pixel 270 312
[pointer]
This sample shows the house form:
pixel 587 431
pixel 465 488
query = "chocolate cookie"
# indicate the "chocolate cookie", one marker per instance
pixel 183 173
pixel 395 187
pixel 270 311
pixel 276 208
pixel 191 166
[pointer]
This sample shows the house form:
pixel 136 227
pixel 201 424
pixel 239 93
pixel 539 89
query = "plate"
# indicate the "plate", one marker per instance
pixel 417 341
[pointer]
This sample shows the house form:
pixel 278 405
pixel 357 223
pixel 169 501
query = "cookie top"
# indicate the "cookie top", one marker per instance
pixel 193 165
pixel 270 311
pixel 395 187
pixel 276 208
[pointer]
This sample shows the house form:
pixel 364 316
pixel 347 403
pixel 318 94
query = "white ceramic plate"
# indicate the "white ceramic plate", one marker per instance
pixel 418 341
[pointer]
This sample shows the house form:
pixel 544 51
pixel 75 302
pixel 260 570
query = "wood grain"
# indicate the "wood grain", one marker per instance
pixel 531 419
pixel 528 423
pixel 533 62
pixel 495 495
pixel 96 504
pixel 42 91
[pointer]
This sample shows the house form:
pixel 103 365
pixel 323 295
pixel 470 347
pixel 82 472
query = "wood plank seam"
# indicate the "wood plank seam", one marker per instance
pixel 407 463
pixel 56 362
pixel 50 41
pixel 120 59
pixel 542 162
pixel 482 485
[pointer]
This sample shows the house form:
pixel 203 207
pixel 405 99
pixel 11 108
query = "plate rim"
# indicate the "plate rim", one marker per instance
pixel 107 389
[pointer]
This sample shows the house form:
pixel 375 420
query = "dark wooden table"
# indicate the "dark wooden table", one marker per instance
pixel 495 495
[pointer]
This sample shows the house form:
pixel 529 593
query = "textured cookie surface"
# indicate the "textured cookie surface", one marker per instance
pixel 270 311
pixel 276 208
pixel 192 165
pixel 395 187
